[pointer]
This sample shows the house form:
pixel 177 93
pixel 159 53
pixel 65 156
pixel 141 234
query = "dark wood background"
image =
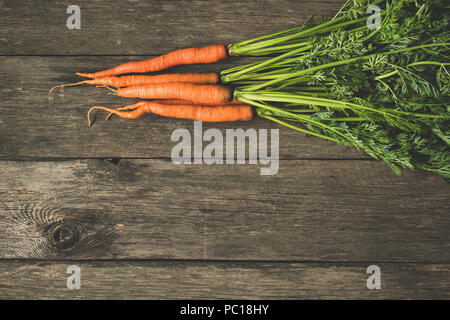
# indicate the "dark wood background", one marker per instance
pixel 108 198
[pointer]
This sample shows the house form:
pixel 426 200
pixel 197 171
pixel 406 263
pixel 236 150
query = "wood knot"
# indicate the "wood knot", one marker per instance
pixel 64 236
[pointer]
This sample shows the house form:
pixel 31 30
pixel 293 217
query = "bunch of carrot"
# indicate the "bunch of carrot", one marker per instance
pixel 196 96
pixel 384 91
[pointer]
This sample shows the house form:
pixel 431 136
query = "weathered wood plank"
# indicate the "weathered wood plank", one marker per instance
pixel 32 125
pixel 145 27
pixel 221 280
pixel 151 209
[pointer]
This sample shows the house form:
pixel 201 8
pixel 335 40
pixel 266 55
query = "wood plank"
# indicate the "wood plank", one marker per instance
pixel 153 209
pixel 145 27
pixel 221 280
pixel 33 125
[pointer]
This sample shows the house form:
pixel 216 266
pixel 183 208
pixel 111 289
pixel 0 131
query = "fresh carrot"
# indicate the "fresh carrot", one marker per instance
pixel 175 102
pixel 179 101
pixel 207 54
pixel 125 81
pixel 224 113
pixel 206 94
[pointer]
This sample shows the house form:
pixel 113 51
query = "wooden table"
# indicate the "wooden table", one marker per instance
pixel 108 198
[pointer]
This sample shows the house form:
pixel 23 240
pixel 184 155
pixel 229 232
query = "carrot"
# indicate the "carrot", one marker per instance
pixel 176 102
pixel 206 94
pixel 207 54
pixel 224 113
pixel 179 101
pixel 126 81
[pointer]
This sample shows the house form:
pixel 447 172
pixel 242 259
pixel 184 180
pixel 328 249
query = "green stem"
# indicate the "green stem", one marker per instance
pixel 318 101
pixel 312 94
pixel 300 117
pixel 437 63
pixel 251 47
pixel 419 63
pixel 238 68
pixel 235 48
pixel 262 115
pixel 295 98
pixel 323 102
pixel 346 119
pixel 415 114
pixel 295 81
pixel 338 63
pixel 269 50
pixel 228 78
pixel 302 110
pixel 245 42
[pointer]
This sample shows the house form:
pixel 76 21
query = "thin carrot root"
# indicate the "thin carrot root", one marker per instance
pixel 129 108
pixel 114 91
pixel 118 109
pixel 66 85
pixel 96 107
pixel 136 112
pixel 83 74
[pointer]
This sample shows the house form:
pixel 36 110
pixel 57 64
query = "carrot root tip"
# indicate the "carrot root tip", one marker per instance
pixel 112 111
pixel 89 113
pixel 85 75
pixel 89 116
pixel 66 85
pixel 114 91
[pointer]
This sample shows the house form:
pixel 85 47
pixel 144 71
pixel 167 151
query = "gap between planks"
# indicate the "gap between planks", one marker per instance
pixel 223 261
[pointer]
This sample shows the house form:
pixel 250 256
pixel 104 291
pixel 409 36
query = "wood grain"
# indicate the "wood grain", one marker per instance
pixel 32 124
pixel 141 227
pixel 153 209
pixel 221 280
pixel 117 27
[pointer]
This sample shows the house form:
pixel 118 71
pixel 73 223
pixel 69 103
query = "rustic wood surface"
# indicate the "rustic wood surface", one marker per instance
pixel 222 280
pixel 139 209
pixel 34 27
pixel 108 198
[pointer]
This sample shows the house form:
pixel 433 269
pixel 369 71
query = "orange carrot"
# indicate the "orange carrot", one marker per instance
pixel 174 102
pixel 179 101
pixel 207 54
pixel 206 94
pixel 224 113
pixel 125 81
